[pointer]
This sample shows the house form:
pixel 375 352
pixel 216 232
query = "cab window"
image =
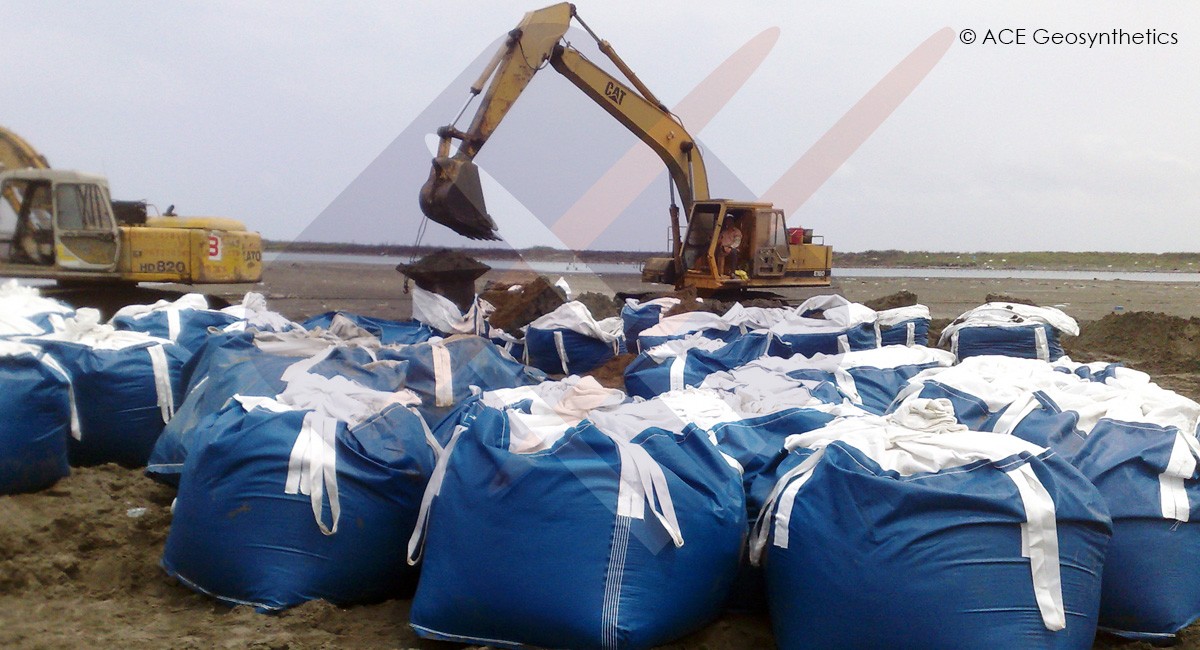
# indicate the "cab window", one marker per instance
pixel 82 207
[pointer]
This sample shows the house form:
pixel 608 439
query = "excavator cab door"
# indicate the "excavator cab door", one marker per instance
pixel 85 232
pixel 771 244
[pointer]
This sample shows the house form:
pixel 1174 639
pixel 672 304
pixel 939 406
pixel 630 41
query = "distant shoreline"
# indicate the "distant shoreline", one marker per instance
pixel 1024 260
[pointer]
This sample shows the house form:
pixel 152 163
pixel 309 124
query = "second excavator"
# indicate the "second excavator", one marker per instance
pixel 728 245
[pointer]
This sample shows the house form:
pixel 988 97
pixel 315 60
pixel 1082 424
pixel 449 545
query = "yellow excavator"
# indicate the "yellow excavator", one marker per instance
pixel 63 225
pixel 728 245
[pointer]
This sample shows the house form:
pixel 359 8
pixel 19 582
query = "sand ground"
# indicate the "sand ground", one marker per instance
pixel 79 562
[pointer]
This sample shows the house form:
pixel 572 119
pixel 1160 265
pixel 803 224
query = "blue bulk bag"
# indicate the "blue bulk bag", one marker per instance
pixel 756 443
pixel 389 332
pixel 23 311
pixel 442 373
pixel 687 362
pixel 871 379
pixel 185 321
pixel 596 542
pixel 569 341
pixel 1147 474
pixel 808 337
pixel 232 365
pixel 904 326
pixel 1035 341
pixel 637 316
pixel 279 507
pixel 1009 329
pixel 35 419
pixel 878 537
pixel 684 325
pixel 126 386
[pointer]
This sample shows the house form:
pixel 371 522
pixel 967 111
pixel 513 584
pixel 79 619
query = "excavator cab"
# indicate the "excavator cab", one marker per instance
pixel 731 245
pixel 57 218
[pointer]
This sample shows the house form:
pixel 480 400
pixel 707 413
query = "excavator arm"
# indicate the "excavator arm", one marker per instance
pixel 453 194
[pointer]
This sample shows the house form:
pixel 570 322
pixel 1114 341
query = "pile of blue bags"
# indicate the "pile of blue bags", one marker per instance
pixel 818 463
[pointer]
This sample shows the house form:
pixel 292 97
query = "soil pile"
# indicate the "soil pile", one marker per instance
pixel 892 301
pixel 1000 297
pixel 444 260
pixel 1152 342
pixel 516 309
pixel 612 373
pixel 600 305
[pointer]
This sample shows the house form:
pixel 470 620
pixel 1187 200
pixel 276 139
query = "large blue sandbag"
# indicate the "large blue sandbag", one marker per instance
pixel 1147 474
pixel 670 328
pixel 637 316
pixel 442 373
pixel 35 419
pixel 251 529
pixel 1009 329
pixel 24 311
pixel 185 321
pixel 389 332
pixel 877 537
pixel 765 386
pixel 756 443
pixel 687 362
pixel 231 364
pixel 1136 442
pixel 126 386
pixel 569 341
pixel 598 564
pixel 808 337
pixel 904 326
pixel 873 378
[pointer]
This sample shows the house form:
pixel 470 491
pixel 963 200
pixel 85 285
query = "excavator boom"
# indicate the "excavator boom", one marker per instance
pixel 453 194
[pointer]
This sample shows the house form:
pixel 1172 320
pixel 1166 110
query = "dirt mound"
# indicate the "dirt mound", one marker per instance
pixel 516 309
pixel 444 260
pixel 1000 297
pixel 1149 341
pixel 612 373
pixel 600 305
pixel 892 301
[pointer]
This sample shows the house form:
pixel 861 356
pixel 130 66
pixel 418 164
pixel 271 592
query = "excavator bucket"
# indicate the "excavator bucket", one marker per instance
pixel 453 197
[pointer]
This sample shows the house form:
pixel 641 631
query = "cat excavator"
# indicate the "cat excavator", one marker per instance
pixel 728 246
pixel 63 225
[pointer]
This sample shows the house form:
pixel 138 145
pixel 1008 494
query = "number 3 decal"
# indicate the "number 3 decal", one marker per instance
pixel 214 248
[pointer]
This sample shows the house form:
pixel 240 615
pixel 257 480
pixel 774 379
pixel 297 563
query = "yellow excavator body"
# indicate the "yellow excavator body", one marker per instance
pixel 63 225
pixel 767 254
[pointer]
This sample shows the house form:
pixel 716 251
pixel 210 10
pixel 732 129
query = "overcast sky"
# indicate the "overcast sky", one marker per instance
pixel 269 112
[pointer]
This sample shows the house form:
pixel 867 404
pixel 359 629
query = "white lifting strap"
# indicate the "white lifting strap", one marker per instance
pixel 312 467
pixel 1039 543
pixel 443 375
pixel 162 381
